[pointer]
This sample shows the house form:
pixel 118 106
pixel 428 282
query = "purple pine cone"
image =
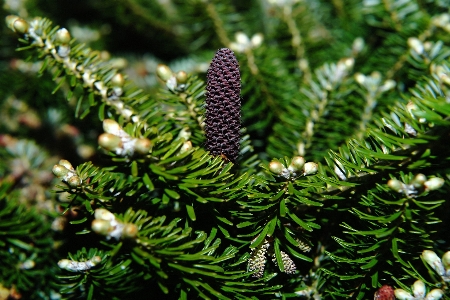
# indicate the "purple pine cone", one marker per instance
pixel 223 105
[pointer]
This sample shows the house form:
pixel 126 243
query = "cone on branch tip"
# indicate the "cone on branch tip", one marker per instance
pixel 223 106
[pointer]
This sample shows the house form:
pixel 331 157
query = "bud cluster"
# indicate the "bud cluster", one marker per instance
pixel 62 40
pixel 442 72
pixel 297 167
pixel 176 82
pixel 425 50
pixel 107 224
pixel 17 24
pixel 416 45
pixel 419 184
pixel 67 173
pixel 419 293
pixel 58 46
pixel 374 84
pixel 442 267
pixel 115 139
pixel 442 21
pixel 243 43
pixel 79 266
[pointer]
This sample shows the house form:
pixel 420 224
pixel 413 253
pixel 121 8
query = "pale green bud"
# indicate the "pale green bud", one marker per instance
pixel 242 38
pixel 142 146
pixel 60 171
pixel 130 231
pixel 387 85
pixel 297 163
pixel 434 183
pixel 276 167
pixel 415 44
pixel 28 264
pixel 419 180
pixel 310 168
pixel 430 257
pixel 185 133
pixel 346 63
pixel 395 185
pixel 446 260
pixel 109 141
pixel 434 261
pixel 62 36
pixel 435 294
pixel 102 227
pixel 164 72
pixel 403 295
pixel 181 77
pixel 419 289
pixel 118 80
pixel 257 40
pixel 74 181
pixel 10 21
pixel 111 126
pixel 360 78
pixel 64 263
pixel 104 214
pixel 358 45
pixel 66 164
pixel 95 260
pixel 21 26
pixel 187 146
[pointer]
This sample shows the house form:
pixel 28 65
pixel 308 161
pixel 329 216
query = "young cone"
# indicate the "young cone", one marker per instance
pixel 223 105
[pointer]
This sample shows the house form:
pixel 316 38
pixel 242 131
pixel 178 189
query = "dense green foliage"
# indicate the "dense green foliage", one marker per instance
pixel 341 183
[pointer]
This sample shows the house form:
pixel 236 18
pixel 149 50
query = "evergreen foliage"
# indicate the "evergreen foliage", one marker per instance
pixel 340 187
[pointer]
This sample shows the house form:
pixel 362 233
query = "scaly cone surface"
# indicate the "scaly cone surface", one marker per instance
pixel 223 105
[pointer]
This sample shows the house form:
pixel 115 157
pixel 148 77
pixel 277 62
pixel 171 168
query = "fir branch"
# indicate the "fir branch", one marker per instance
pixel 146 14
pixel 25 246
pixel 187 90
pixel 218 24
pixel 167 214
pixel 100 279
pixel 80 63
pixel 298 45
pixel 374 88
pixel 405 151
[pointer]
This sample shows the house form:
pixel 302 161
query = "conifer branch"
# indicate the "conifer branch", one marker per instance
pixel 330 78
pixel 83 65
pixel 297 41
pixel 156 212
pixel 218 24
